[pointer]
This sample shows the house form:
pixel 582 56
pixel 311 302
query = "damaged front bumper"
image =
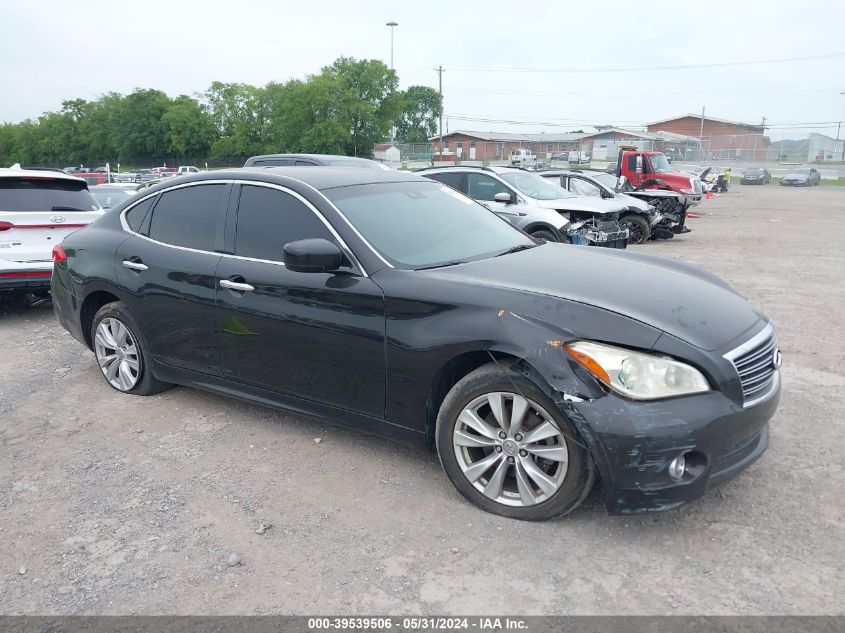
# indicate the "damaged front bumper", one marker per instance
pixel 633 444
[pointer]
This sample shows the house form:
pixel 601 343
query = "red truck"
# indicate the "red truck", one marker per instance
pixel 651 170
pixel 648 175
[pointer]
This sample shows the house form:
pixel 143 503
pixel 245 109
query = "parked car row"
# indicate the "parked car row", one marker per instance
pixel 398 304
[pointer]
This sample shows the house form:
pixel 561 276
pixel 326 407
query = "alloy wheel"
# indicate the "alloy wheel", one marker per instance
pixel 510 449
pixel 117 354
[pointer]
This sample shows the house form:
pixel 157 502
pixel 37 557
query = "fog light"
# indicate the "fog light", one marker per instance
pixel 677 467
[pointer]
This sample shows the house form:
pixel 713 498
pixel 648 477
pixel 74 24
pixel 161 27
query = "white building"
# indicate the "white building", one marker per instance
pixel 825 148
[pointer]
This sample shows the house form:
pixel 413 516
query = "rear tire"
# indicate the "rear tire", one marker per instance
pixel 508 449
pixel 638 228
pixel 121 353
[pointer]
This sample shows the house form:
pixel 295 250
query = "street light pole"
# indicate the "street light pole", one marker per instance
pixel 391 24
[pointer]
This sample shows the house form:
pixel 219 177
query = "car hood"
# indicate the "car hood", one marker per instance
pixel 631 201
pixel 583 203
pixel 796 176
pixel 673 296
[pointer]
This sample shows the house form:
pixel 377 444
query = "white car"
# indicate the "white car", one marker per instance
pixel 38 208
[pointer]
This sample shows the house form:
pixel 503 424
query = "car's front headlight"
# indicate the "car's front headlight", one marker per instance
pixel 637 375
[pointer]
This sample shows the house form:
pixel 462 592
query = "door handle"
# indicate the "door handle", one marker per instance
pixel 134 265
pixel 234 285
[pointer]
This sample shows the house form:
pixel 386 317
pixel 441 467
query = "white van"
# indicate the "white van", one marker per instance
pixel 522 157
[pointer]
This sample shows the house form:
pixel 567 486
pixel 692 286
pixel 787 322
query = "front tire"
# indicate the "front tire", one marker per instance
pixel 543 234
pixel 638 228
pixel 121 354
pixel 507 448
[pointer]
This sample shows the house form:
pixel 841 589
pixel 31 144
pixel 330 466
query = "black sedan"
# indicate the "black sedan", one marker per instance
pixel 756 176
pixel 803 177
pixel 391 303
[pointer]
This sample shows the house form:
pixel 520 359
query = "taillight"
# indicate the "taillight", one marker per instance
pixel 59 254
pixel 5 226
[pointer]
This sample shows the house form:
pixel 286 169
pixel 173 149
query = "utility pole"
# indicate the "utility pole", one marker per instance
pixel 439 70
pixel 701 128
pixel 391 24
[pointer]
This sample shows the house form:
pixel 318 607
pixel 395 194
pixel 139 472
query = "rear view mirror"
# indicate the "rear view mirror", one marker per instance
pixel 312 256
pixel 503 197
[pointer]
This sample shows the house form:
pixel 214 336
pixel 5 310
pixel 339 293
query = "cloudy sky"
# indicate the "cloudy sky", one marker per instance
pixel 527 66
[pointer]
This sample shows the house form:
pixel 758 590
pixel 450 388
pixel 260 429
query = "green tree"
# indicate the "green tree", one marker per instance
pixel 420 113
pixel 143 134
pixel 100 128
pixel 366 101
pixel 190 129
pixel 240 115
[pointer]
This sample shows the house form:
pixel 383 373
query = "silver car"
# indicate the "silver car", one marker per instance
pixel 638 215
pixel 537 206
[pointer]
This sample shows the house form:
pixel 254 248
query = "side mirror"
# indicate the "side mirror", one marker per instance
pixel 620 183
pixel 312 256
pixel 639 168
pixel 503 197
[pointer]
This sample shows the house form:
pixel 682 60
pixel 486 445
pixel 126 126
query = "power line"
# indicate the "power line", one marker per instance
pixel 584 95
pixel 526 69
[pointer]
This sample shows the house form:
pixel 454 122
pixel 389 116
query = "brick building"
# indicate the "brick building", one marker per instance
pixel 492 146
pixel 719 138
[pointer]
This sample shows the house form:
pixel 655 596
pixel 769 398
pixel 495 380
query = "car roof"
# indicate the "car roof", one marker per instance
pixel 312 156
pixel 316 177
pixel 17 172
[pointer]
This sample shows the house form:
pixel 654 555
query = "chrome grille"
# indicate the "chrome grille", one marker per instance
pixel 756 365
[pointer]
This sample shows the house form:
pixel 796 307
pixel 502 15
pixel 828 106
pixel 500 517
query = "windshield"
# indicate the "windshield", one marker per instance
pixel 108 199
pixel 803 172
pixel 425 224
pixel 44 195
pixel 360 164
pixel 608 180
pixel 659 163
pixel 534 186
pixel 754 171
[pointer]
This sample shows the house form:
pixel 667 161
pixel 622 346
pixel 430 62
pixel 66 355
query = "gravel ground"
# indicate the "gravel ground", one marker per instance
pixel 123 505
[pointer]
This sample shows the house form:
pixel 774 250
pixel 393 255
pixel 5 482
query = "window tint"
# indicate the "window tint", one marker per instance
pixel 268 219
pixel 632 163
pixel 188 216
pixel 135 216
pixel 44 195
pixel 483 187
pixel 455 181
pixel 305 163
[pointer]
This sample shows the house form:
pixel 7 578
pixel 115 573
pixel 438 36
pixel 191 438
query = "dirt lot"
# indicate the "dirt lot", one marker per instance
pixel 122 505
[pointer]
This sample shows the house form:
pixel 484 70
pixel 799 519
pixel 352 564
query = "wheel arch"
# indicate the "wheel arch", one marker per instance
pixel 543 226
pixel 93 301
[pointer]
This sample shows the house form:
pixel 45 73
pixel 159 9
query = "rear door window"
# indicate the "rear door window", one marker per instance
pixel 188 216
pixel 455 181
pixel 273 162
pixel 25 194
pixel 268 219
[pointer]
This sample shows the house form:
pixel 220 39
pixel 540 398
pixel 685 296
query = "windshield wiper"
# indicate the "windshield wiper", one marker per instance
pixel 60 207
pixel 443 265
pixel 516 249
